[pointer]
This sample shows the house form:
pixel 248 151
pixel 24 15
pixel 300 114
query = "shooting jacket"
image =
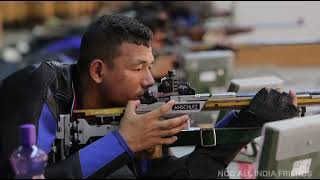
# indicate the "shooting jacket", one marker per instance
pixel 39 93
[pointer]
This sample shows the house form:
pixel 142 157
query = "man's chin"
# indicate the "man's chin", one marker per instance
pixel 135 98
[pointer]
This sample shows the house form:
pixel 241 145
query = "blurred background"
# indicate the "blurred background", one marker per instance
pixel 257 38
pixel 216 46
pixel 208 43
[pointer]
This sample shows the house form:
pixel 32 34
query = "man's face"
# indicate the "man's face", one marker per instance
pixel 130 75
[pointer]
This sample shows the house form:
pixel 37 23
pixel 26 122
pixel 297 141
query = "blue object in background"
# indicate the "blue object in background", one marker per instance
pixel 226 120
pixel 72 42
pixel 64 50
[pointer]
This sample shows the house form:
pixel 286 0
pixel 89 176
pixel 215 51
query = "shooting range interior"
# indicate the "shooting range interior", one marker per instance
pixel 213 46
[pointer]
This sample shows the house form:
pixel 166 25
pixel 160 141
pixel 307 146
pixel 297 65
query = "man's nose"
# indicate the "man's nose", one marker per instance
pixel 148 80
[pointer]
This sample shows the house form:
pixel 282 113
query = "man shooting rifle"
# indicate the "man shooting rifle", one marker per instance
pixel 114 70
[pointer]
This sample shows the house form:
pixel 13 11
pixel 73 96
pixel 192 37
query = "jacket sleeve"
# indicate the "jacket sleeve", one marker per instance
pixel 100 158
pixel 23 99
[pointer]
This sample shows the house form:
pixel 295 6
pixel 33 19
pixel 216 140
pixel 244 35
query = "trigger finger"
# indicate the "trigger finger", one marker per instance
pixel 294 97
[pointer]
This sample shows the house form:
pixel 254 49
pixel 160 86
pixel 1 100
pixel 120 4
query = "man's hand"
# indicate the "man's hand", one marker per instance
pixel 294 97
pixel 145 131
pixel 266 106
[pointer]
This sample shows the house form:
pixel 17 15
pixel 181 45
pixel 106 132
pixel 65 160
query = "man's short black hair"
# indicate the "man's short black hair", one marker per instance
pixel 104 36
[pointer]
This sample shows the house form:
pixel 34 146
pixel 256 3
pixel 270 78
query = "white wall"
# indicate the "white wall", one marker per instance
pixel 260 12
pixel 254 11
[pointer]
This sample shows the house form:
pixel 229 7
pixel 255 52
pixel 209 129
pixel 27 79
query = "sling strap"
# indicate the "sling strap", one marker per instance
pixel 208 137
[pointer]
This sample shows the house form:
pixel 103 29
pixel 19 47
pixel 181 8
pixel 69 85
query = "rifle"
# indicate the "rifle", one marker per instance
pixel 187 101
pixel 84 126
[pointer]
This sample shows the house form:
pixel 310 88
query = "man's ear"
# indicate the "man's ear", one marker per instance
pixel 96 70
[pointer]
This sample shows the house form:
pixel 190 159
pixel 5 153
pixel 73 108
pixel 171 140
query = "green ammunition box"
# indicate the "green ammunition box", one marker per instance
pixel 206 70
pixel 254 84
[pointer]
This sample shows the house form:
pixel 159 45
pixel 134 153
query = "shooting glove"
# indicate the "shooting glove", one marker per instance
pixel 266 106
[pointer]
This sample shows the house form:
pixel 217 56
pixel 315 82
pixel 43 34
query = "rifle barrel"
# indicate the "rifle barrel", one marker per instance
pixel 240 102
pixel 215 102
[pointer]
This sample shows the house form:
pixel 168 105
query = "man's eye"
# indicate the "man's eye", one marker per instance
pixel 139 69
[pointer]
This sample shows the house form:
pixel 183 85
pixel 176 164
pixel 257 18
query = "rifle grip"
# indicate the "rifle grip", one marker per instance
pixel 152 153
pixel 156 152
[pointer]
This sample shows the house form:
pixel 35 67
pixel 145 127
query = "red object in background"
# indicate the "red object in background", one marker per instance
pixel 246 170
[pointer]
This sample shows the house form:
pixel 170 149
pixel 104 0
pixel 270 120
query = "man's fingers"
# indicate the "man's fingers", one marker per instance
pixel 132 106
pixel 293 94
pixel 161 110
pixel 173 131
pixel 174 122
pixel 169 140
